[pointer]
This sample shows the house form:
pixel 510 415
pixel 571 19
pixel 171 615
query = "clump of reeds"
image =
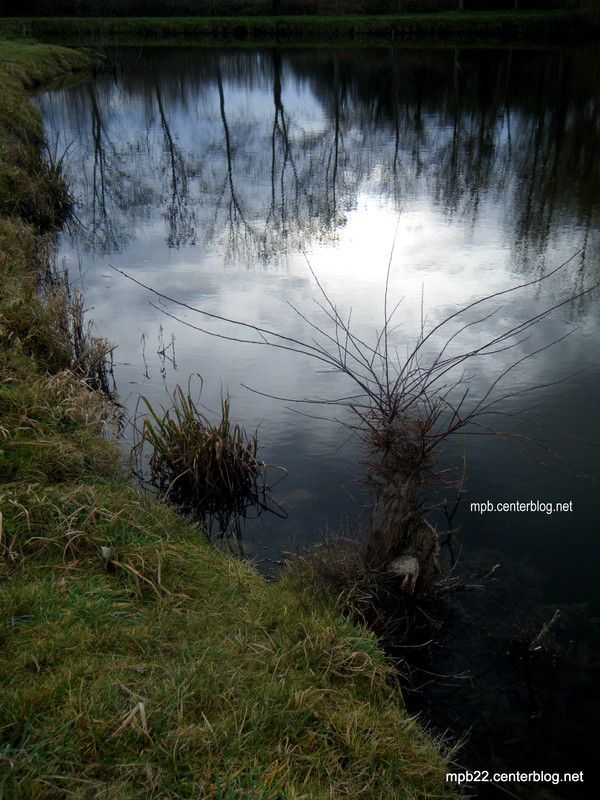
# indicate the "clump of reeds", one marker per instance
pixel 75 346
pixel 210 469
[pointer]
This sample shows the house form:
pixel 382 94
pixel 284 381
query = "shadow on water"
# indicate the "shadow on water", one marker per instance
pixel 212 174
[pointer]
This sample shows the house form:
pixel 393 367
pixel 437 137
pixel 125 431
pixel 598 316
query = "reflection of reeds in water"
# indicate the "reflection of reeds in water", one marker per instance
pixel 210 469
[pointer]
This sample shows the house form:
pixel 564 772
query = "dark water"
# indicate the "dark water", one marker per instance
pixel 213 176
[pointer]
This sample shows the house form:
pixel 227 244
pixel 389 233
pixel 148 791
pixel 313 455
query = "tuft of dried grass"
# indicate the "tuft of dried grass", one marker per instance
pixel 209 468
pixel 75 345
pixel 84 526
pixel 50 326
pixel 41 521
pixel 70 397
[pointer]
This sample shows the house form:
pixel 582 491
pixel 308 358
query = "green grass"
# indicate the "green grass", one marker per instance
pixel 35 64
pixel 30 189
pixel 136 660
pixel 499 26
pixel 247 687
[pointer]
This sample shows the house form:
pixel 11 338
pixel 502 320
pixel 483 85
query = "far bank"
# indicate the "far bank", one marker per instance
pixel 475 27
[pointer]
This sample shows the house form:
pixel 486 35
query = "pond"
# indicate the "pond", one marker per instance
pixel 231 180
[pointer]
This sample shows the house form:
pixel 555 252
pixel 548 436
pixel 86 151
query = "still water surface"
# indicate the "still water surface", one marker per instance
pixel 216 176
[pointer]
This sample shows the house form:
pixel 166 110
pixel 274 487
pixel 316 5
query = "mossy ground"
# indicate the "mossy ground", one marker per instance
pixel 159 667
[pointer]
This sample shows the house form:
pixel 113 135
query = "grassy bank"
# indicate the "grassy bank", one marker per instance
pixel 157 667
pixel 449 27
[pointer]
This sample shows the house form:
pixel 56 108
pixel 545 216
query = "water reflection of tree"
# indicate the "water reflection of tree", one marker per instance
pixel 278 212
pixel 241 234
pixel 115 193
pixel 179 214
pixel 285 195
pixel 102 228
pixel 519 130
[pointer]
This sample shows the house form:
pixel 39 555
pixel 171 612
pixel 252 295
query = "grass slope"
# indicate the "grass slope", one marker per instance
pixel 163 668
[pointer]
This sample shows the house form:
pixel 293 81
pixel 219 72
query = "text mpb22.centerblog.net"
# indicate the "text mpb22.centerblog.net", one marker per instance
pixel 536 776
pixel 532 506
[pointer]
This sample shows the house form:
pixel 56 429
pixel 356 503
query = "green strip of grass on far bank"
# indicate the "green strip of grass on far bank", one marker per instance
pixel 137 660
pixel 498 26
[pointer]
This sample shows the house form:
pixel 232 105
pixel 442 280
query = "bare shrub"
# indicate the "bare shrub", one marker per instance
pixel 405 405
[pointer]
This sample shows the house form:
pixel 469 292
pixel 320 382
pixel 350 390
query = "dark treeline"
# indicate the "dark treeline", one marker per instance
pixel 226 8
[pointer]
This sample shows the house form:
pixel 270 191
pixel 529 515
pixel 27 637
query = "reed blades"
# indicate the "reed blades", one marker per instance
pixel 210 469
